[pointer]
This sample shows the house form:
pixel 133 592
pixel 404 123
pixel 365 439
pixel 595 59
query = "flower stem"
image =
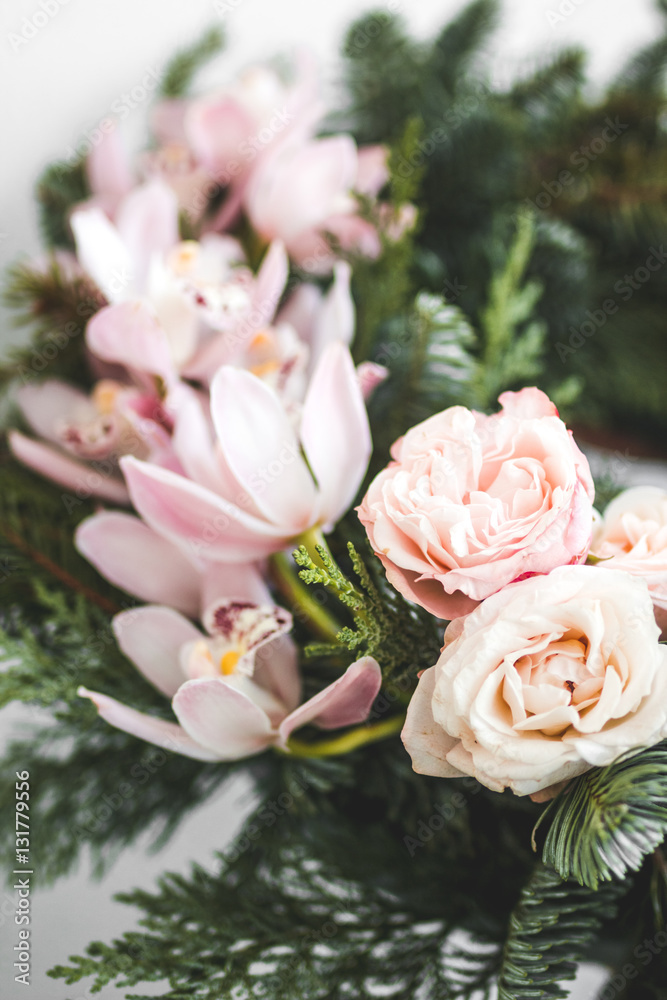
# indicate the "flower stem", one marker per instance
pixel 310 540
pixel 304 606
pixel 349 741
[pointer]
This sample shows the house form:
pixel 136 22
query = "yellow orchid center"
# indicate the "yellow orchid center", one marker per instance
pixel 262 340
pixel 229 660
pixel 105 395
pixel 183 257
pixel 265 368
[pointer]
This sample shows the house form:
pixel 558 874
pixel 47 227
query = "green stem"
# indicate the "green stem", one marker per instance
pixel 348 741
pixel 301 599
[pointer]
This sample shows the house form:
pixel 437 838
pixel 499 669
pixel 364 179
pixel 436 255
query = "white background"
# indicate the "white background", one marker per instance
pixel 64 80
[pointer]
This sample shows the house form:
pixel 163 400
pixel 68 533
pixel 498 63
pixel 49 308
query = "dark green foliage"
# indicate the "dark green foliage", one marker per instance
pixel 183 67
pixel 606 822
pixel 488 152
pixel 55 307
pixel 460 41
pixel 385 287
pixel 431 366
pixel 550 929
pixel 335 894
pixel 61 186
pixel 37 524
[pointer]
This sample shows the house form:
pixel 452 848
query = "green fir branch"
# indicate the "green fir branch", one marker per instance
pixel 183 67
pixel 55 307
pixel 461 40
pixel 61 186
pixel 550 929
pixel 604 823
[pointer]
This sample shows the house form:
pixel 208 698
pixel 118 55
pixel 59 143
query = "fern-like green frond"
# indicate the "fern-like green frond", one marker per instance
pixel 401 637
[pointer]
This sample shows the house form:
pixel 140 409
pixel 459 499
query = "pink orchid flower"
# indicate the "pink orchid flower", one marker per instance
pixel 251 491
pixel 201 307
pixel 81 438
pixel 304 190
pixel 227 134
pixel 236 689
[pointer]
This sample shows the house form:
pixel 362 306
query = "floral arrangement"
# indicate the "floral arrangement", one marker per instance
pixel 278 503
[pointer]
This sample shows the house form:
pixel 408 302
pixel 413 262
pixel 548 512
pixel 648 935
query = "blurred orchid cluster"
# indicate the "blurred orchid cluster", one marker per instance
pixel 226 409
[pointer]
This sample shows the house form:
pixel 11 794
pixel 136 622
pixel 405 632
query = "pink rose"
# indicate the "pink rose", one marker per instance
pixel 543 681
pixel 632 535
pixel 473 502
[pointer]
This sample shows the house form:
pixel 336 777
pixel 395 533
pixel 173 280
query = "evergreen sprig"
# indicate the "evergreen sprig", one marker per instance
pixel 606 822
pixel 318 896
pixel 61 186
pixel 402 638
pixel 514 338
pixel 54 306
pixel 550 929
pixel 429 354
pixel 182 68
pixel 384 287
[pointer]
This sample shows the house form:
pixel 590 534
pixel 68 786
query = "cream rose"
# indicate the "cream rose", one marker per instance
pixel 632 536
pixel 542 681
pixel 473 502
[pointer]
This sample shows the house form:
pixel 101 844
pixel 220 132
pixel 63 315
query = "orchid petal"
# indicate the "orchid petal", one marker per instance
pixel 216 129
pixel 129 334
pixel 108 169
pixel 335 431
pixel 269 284
pixel 102 253
pixel 246 625
pixel 167 121
pixel 336 318
pixel 346 702
pixel 135 558
pixel 370 376
pixel 45 405
pixel 211 526
pixel 261 449
pixel 301 310
pixel 146 727
pixel 222 718
pixel 276 668
pixel 193 440
pixel 65 471
pixel 372 170
pixel 239 581
pixel 152 637
pixel 147 222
